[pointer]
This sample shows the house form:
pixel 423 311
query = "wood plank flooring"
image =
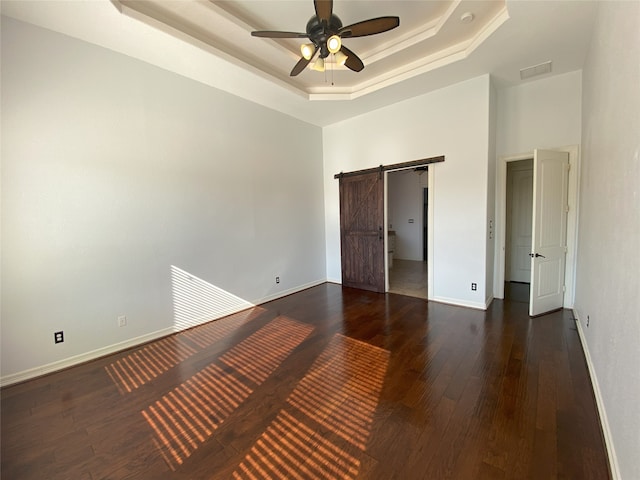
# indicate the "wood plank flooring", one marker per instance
pixel 328 383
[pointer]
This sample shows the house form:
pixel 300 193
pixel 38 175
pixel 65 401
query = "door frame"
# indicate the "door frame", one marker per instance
pixel 430 199
pixel 572 221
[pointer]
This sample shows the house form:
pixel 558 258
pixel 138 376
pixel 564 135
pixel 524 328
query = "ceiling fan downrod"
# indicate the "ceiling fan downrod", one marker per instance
pixel 319 32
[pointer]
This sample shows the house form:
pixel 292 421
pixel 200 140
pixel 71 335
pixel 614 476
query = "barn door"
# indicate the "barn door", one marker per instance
pixel 361 231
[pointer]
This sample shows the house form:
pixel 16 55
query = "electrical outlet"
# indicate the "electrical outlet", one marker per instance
pixel 58 337
pixel 474 286
pixel 122 321
pixel 588 320
pixel 277 279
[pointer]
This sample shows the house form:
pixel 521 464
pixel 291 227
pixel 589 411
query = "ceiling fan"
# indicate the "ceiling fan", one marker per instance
pixel 326 32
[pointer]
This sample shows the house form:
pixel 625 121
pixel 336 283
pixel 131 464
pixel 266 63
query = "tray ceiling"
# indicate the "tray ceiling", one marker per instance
pixel 430 35
pixel 210 41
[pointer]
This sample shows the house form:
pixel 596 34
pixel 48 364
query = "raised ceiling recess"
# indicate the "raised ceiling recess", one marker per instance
pixel 431 35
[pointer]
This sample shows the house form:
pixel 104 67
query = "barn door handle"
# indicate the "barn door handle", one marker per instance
pixel 380 233
pixel 536 255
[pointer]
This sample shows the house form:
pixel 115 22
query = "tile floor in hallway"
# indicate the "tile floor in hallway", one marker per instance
pixel 408 277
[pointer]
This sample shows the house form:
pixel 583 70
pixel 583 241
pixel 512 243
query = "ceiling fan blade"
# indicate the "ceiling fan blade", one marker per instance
pixel 302 63
pixel 300 66
pixel 369 27
pixel 324 9
pixel 271 34
pixel 353 61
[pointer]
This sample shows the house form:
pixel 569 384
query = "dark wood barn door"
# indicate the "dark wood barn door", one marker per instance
pixel 361 231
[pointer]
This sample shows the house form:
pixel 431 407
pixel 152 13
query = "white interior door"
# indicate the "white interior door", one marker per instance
pixel 522 212
pixel 549 230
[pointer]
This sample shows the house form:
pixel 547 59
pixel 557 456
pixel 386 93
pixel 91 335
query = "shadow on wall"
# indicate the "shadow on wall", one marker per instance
pixel 196 301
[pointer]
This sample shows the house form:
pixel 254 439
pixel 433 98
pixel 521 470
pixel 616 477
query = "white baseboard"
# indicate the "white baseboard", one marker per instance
pixel 604 421
pixel 132 342
pixel 461 303
pixel 290 291
pixel 449 301
pixel 487 303
pixel 82 358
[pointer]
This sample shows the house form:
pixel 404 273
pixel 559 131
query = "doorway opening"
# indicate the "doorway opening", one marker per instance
pixel 554 220
pixel 519 212
pixel 407 234
pixel 364 225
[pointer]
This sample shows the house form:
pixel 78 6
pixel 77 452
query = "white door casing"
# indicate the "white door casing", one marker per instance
pixel 549 230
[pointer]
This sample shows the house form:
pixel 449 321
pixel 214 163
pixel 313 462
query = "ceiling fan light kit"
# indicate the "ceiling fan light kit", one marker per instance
pixel 326 33
pixel 340 58
pixel 318 65
pixel 307 50
pixel 334 43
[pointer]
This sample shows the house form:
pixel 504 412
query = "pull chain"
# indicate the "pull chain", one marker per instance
pixel 334 58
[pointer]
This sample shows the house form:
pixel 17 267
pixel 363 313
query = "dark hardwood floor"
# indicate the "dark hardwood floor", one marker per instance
pixel 327 383
pixel 517 291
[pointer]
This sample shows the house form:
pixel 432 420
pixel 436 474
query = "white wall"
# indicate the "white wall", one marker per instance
pixel 543 113
pixel 608 280
pixel 113 171
pixel 405 201
pixel 453 122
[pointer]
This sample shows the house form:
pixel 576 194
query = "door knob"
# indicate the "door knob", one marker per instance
pixel 536 255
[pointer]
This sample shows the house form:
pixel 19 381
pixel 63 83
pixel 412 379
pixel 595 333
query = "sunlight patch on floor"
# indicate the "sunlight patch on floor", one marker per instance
pixel 141 366
pixel 333 403
pixel 186 417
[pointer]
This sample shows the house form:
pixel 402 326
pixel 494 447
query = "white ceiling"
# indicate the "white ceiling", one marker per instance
pixel 210 41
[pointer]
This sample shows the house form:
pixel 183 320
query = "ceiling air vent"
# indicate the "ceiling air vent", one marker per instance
pixel 539 69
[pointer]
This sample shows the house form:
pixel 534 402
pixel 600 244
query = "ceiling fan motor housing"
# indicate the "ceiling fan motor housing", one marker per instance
pixel 322 27
pixel 318 32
